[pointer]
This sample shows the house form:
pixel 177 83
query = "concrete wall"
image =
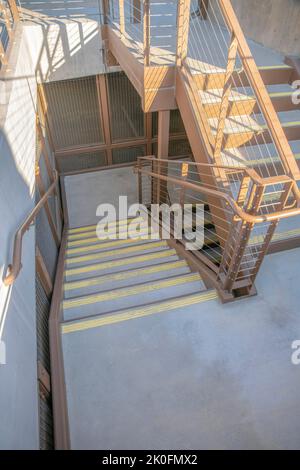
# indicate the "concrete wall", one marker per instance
pixel 273 23
pixel 85 192
pixel 18 374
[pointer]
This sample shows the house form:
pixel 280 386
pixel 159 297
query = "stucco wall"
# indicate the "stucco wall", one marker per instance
pixel 273 23
pixel 18 371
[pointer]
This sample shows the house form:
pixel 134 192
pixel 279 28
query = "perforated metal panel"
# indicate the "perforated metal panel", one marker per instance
pixel 177 148
pixel 43 356
pixel 127 155
pixel 126 115
pixel 176 123
pixel 73 112
pixel 81 162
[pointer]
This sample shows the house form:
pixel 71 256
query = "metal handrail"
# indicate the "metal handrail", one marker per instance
pixel 15 267
pixel 238 211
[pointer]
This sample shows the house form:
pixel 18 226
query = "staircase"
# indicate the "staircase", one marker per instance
pixel 105 277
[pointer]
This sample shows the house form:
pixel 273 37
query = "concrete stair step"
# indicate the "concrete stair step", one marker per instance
pixel 105 245
pixel 206 78
pixel 176 304
pixel 93 237
pixel 256 154
pixel 109 230
pixel 243 100
pixel 86 228
pixel 125 278
pixel 128 297
pixel 117 253
pixel 112 266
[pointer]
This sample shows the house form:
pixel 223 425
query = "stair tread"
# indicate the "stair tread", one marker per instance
pixel 236 124
pixel 108 265
pixel 138 312
pixel 214 95
pixel 124 278
pixel 140 294
pixel 118 252
pixel 84 228
pixel 243 123
pixel 103 245
pixel 140 287
pixel 255 153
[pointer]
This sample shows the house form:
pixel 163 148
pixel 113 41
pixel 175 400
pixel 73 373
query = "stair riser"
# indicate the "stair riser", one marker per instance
pixel 269 76
pixel 235 109
pixel 250 106
pixel 132 301
pixel 251 138
pixel 128 281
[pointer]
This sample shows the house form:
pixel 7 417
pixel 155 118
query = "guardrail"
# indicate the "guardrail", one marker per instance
pixel 239 230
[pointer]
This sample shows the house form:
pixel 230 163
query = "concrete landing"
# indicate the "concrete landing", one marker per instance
pixel 209 376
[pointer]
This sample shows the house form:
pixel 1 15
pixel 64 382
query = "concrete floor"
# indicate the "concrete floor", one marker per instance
pixel 211 376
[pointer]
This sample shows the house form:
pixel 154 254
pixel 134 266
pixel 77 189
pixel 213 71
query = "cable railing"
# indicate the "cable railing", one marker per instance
pixel 147 27
pixel 234 233
pixel 246 130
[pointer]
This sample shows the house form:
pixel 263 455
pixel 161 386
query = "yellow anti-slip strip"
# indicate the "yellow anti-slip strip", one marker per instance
pixel 121 262
pixel 129 291
pixel 112 243
pixel 158 268
pixel 107 254
pixel 109 224
pixel 122 229
pixel 140 312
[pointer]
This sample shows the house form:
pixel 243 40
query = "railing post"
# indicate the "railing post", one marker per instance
pixel 238 239
pixel 122 17
pixel 183 24
pixel 146 32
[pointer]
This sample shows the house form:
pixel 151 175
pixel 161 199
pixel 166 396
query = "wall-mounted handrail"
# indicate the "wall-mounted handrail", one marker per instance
pixel 15 267
pixel 237 210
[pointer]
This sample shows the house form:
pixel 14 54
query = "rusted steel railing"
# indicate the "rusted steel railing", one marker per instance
pixel 241 212
pixel 15 267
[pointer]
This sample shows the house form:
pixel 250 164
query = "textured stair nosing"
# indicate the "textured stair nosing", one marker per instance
pixel 112 243
pixel 122 262
pixel 124 275
pixel 108 224
pixel 82 237
pixel 130 291
pixel 139 312
pixel 116 252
